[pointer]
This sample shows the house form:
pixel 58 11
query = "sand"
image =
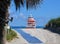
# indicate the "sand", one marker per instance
pixel 19 40
pixel 45 36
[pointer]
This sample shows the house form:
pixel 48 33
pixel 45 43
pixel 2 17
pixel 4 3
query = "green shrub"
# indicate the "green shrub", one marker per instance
pixel 11 35
pixel 54 25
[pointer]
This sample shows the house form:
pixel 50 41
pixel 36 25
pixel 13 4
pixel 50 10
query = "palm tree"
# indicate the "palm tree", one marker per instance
pixel 4 5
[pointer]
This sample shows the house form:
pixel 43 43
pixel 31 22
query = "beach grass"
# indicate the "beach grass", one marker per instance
pixel 11 35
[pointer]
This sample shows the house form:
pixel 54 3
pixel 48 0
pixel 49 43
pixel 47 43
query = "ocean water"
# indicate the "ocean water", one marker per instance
pixel 20 27
pixel 27 37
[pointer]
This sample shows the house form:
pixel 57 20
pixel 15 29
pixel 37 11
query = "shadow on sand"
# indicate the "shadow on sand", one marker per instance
pixel 29 38
pixel 54 30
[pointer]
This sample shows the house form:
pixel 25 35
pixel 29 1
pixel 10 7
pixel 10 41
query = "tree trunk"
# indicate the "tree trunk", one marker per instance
pixel 3 18
pixel 3 22
pixel 2 35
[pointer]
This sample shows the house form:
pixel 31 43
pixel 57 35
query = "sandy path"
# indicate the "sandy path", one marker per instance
pixel 46 36
pixel 19 40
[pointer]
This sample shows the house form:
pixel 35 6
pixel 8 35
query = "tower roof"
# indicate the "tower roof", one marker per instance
pixel 30 16
pixel 31 19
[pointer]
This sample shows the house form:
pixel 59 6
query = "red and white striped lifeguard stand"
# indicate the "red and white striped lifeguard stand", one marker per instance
pixel 31 22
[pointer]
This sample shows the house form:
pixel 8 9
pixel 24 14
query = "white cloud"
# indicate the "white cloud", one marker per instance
pixel 22 15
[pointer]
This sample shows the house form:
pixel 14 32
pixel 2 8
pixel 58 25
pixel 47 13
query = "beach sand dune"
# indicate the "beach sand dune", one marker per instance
pixel 45 36
pixel 19 40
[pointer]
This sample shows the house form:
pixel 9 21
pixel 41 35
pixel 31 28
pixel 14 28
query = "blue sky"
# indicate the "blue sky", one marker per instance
pixel 42 14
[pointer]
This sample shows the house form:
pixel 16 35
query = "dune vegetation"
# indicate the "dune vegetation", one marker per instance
pixel 11 35
pixel 54 25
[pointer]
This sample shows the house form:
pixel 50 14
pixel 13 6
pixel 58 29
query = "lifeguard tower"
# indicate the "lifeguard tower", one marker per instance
pixel 31 22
